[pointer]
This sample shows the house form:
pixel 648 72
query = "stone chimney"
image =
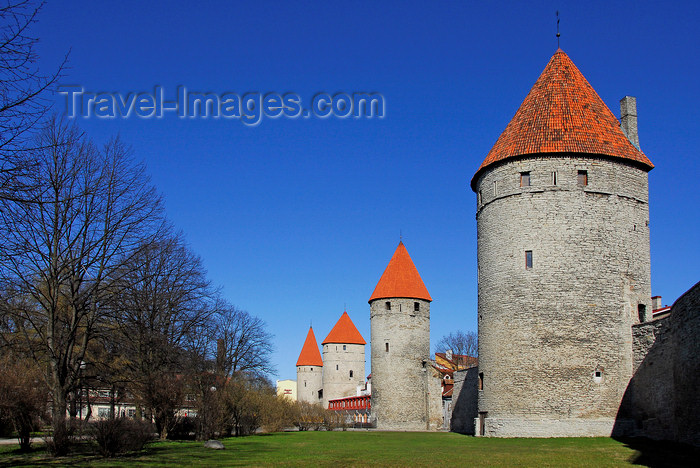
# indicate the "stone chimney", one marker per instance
pixel 448 354
pixel 628 119
pixel 656 303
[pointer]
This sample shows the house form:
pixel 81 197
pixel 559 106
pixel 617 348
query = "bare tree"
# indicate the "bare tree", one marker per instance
pixel 22 396
pixel 161 302
pixel 229 353
pixel 91 209
pixel 22 89
pixel 243 343
pixel 460 343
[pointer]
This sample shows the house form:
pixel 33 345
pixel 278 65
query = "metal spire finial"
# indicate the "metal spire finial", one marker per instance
pixel 558 35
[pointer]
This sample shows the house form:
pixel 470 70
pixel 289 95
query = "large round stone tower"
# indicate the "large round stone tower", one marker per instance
pixel 400 343
pixel 344 360
pixel 563 261
pixel 309 371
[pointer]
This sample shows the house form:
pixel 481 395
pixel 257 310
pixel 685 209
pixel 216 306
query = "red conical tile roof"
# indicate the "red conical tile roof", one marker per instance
pixel 344 331
pixel 562 113
pixel 400 279
pixel 310 355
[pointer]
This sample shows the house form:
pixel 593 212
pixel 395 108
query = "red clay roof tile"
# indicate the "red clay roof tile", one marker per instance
pixel 344 331
pixel 562 113
pixel 310 355
pixel 400 279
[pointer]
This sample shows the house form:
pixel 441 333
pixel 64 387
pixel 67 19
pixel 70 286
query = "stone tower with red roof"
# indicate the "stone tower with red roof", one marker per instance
pixel 310 371
pixel 563 261
pixel 400 345
pixel 343 360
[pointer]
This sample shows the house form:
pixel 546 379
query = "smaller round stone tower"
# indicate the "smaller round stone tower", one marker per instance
pixel 309 371
pixel 344 360
pixel 400 343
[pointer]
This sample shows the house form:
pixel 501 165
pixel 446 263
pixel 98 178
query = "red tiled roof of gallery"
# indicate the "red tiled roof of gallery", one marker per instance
pixel 562 113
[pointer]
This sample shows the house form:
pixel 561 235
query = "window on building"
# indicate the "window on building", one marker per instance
pixel 528 259
pixel 304 383
pixel 481 380
pixel 495 188
pixel 642 312
pixel 387 347
pixel 524 179
pixel 351 374
pixel 345 348
pixel 554 178
pixel 336 367
pixel 320 393
pixel 388 305
pixel 582 178
pixel 416 306
pixel 102 412
pixel 598 374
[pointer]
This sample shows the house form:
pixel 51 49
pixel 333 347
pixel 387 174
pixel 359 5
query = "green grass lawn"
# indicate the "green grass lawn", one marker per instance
pixel 339 449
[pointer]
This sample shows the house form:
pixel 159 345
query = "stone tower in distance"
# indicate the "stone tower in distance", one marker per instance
pixel 563 261
pixel 309 370
pixel 343 359
pixel 400 345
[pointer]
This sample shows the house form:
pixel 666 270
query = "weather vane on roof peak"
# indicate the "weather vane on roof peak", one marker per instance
pixel 558 35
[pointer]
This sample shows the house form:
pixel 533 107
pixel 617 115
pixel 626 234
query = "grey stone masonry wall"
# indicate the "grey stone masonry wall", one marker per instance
pixel 685 317
pixel 649 397
pixel 401 380
pixel 663 398
pixel 309 382
pixel 339 360
pixel 436 417
pixel 555 347
pixel 464 400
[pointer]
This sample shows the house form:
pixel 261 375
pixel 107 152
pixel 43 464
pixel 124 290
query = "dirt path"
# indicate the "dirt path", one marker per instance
pixel 35 440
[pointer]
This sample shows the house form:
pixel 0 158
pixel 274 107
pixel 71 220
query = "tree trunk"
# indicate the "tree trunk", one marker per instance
pixel 23 426
pixel 111 402
pixel 59 442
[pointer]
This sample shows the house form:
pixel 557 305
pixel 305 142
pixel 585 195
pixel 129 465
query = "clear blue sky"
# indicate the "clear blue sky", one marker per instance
pixel 295 218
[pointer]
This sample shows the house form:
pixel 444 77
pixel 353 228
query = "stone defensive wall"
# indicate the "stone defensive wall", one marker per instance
pixel 663 397
pixel 464 401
